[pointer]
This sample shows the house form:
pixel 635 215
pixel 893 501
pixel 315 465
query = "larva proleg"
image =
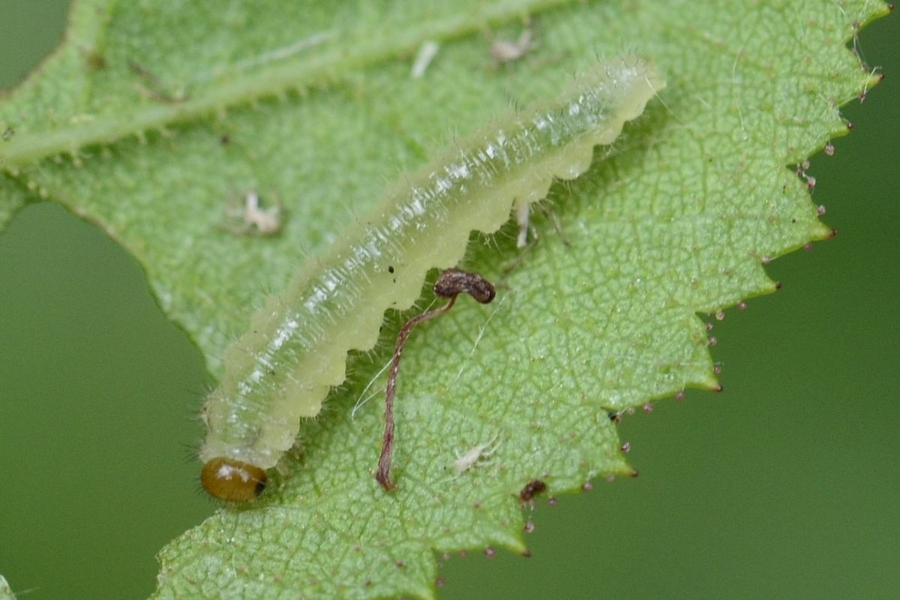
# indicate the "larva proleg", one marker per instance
pixel 296 348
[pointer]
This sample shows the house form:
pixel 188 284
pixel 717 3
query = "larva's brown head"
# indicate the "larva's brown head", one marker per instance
pixel 232 480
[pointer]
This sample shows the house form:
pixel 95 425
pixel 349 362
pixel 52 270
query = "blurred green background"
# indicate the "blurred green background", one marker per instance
pixel 787 485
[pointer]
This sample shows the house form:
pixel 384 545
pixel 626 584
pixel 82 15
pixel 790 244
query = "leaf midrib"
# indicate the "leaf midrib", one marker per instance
pixel 299 72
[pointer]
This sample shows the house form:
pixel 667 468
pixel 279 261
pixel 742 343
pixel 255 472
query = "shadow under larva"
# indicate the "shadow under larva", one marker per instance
pixel 296 347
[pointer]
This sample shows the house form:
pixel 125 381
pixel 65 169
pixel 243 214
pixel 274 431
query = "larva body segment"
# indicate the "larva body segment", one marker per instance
pixel 296 347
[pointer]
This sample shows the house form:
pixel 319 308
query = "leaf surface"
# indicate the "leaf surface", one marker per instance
pixel 154 118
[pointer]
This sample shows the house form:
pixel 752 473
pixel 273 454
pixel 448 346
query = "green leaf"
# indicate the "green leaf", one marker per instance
pixel 152 120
